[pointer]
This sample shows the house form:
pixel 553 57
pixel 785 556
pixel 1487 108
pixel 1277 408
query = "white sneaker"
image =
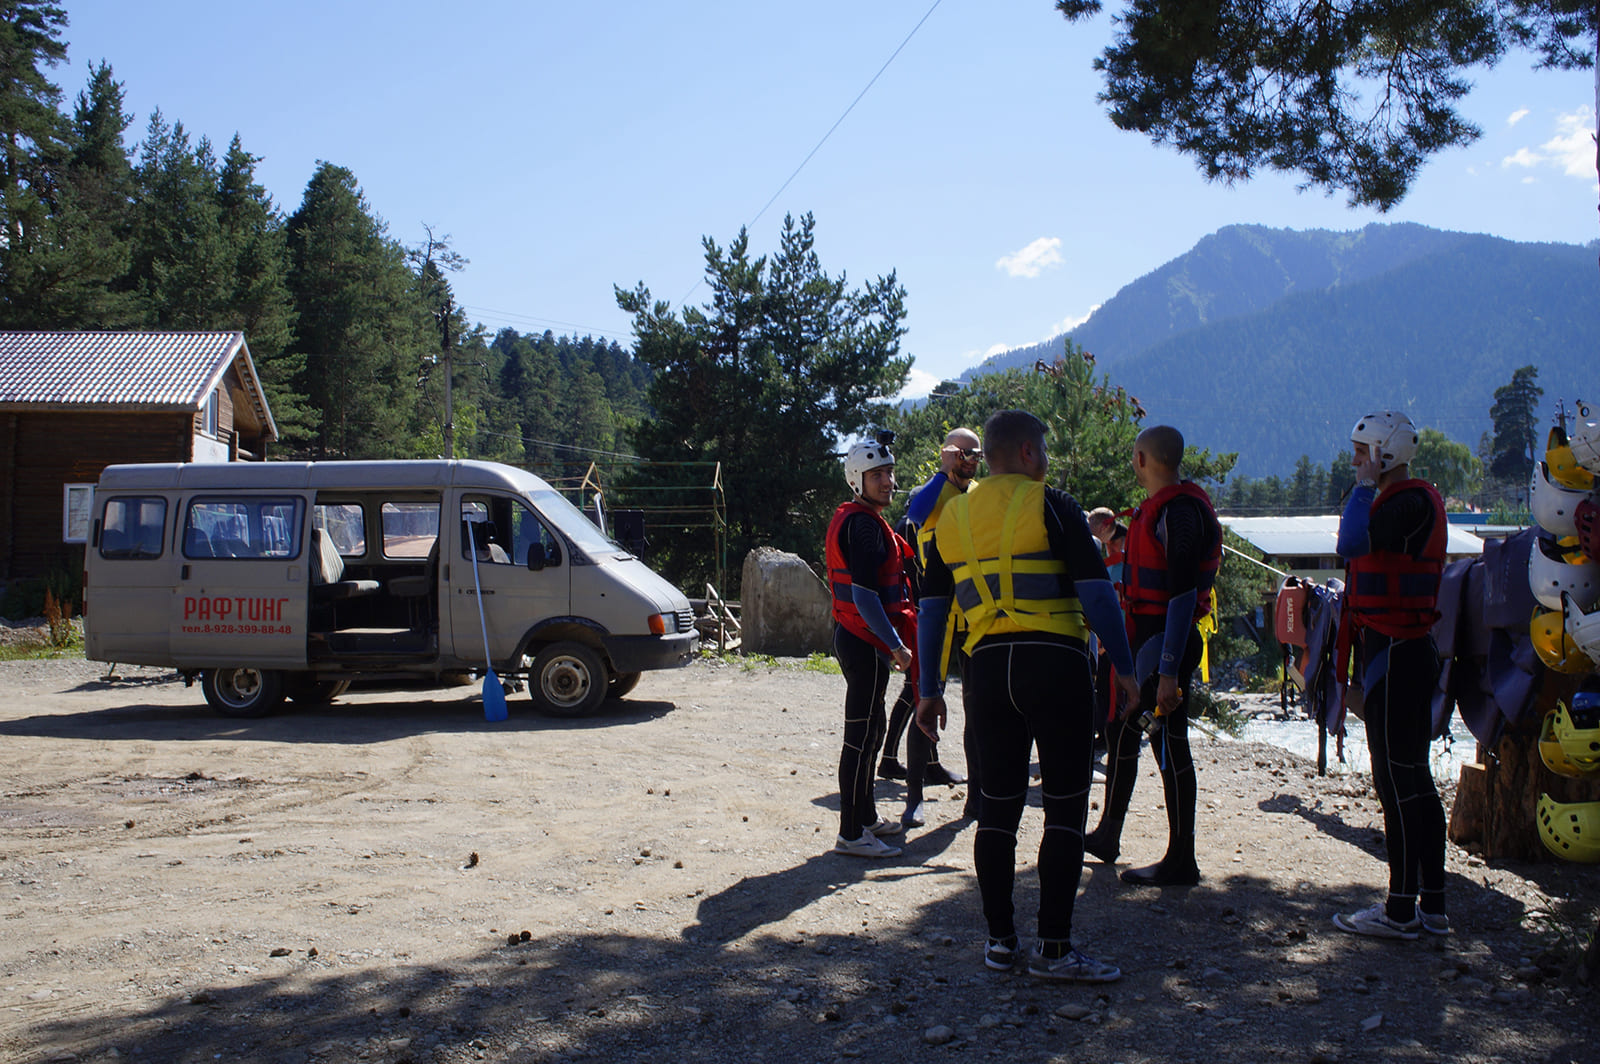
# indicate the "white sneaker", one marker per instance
pixel 868 845
pixel 1375 922
pixel 885 826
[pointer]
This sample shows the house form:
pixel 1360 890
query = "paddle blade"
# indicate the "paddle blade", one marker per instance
pixel 494 698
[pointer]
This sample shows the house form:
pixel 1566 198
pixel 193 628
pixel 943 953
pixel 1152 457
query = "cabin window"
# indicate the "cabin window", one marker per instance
pixel 212 412
pixel 409 529
pixel 77 506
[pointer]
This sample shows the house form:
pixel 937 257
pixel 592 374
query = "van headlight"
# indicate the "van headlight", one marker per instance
pixel 662 623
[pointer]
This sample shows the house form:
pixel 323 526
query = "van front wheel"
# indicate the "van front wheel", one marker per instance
pixel 567 680
pixel 242 692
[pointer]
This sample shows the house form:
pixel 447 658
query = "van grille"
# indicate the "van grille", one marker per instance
pixel 685 618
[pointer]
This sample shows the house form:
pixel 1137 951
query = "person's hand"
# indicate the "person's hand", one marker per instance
pixel 950 460
pixel 1128 689
pixel 1168 694
pixel 931 716
pixel 902 658
pixel 1366 468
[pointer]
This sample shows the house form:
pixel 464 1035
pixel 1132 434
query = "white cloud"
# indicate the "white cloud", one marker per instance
pixel 918 385
pixel 1033 259
pixel 1570 151
pixel 1066 325
pixel 1517 116
pixel 996 349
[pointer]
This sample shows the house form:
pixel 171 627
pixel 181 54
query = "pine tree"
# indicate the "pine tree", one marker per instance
pixel 32 144
pixel 181 263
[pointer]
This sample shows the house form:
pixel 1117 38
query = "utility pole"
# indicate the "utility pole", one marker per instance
pixel 443 316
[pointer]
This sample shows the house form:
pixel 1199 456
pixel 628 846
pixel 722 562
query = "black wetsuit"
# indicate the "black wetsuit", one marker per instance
pixel 1184 528
pixel 866 677
pixel 1023 690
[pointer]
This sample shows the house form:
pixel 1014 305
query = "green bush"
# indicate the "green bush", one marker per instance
pixel 25 598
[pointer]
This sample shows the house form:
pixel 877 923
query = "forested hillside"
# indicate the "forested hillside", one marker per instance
pixel 350 326
pixel 1265 341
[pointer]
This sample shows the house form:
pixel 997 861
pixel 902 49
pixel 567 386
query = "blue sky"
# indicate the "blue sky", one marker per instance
pixel 568 147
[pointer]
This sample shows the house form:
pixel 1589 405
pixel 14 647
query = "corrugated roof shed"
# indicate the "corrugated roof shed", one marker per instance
pixel 1303 537
pixel 86 371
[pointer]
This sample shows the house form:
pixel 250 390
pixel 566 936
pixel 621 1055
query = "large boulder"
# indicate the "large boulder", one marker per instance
pixel 784 609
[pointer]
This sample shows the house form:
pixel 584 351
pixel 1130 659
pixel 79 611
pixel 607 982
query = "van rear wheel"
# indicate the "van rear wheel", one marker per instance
pixel 238 692
pixel 567 680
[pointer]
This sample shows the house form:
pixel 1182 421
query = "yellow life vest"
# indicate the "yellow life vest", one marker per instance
pixel 994 540
pixel 925 533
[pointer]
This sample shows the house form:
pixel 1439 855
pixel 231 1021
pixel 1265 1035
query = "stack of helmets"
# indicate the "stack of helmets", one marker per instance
pixel 1565 578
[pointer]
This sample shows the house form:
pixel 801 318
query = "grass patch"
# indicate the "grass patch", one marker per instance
pixel 825 663
pixel 42 650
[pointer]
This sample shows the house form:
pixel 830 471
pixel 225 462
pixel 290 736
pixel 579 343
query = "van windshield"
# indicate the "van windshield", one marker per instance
pixel 573 523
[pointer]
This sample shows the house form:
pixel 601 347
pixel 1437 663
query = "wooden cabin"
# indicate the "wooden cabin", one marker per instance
pixel 72 403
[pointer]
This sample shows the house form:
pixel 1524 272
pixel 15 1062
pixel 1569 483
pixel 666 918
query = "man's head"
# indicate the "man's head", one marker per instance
pixel 1157 453
pixel 1386 439
pixel 960 455
pixel 869 470
pixel 1013 442
pixel 1102 522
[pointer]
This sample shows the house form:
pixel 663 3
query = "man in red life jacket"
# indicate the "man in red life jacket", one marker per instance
pixel 1392 535
pixel 875 633
pixel 1173 548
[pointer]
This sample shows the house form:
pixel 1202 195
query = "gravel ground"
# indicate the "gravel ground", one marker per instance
pixel 345 884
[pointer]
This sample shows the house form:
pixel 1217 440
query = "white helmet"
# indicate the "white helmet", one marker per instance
pixel 868 454
pixel 1582 628
pixel 1585 437
pixel 1390 434
pixel 1549 574
pixel 1555 507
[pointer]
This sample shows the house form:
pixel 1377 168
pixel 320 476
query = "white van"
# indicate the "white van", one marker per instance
pixel 274 579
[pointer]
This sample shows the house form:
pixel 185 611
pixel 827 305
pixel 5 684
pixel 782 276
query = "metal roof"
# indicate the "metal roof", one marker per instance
pixel 1309 537
pixel 87 371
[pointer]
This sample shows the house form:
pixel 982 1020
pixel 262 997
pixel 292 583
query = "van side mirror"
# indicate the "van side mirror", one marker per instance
pixel 541 556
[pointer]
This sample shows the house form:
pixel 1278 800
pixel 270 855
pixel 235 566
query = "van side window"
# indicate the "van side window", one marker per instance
pixel 134 527
pixel 505 531
pixel 345 524
pixel 221 527
pixel 409 529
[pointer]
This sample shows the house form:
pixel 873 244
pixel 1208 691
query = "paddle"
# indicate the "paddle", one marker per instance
pixel 494 696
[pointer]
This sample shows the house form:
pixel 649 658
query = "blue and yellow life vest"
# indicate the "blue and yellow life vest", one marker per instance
pixel 1007 580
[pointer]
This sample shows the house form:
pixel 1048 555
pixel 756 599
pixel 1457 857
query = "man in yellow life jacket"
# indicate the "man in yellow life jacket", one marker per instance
pixel 1026 576
pixel 1173 549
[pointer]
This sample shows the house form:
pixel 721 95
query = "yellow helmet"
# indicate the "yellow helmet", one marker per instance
pixel 1578 729
pixel 1554 757
pixel 1570 830
pixel 1554 644
pixel 1564 467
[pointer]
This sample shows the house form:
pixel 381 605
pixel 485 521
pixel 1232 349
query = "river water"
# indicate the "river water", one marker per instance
pixel 1299 736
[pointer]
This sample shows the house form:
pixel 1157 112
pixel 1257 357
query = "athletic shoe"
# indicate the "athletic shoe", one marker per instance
pixel 1375 922
pixel 1434 923
pixel 890 768
pixel 1102 847
pixel 913 817
pixel 936 773
pixel 1163 874
pixel 885 826
pixel 1071 967
pixel 1001 953
pixel 868 845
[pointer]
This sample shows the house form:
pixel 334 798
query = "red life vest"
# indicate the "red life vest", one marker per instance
pixel 1146 588
pixel 894 586
pixel 1396 593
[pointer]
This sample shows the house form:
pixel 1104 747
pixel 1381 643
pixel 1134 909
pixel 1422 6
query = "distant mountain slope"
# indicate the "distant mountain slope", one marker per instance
pixel 1236 271
pixel 1271 342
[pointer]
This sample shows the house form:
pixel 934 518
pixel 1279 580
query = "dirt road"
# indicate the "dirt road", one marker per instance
pixel 344 885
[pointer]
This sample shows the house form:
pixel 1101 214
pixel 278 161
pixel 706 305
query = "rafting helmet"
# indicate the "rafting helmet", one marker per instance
pixel 1554 644
pixel 1391 436
pixel 1563 463
pixel 1586 516
pixel 1577 730
pixel 1570 830
pixel 1554 507
pixel 1555 759
pixel 866 455
pixel 1550 573
pixel 1582 628
pixel 1585 437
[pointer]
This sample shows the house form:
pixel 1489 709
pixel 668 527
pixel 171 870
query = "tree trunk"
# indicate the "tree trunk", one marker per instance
pixel 1496 808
